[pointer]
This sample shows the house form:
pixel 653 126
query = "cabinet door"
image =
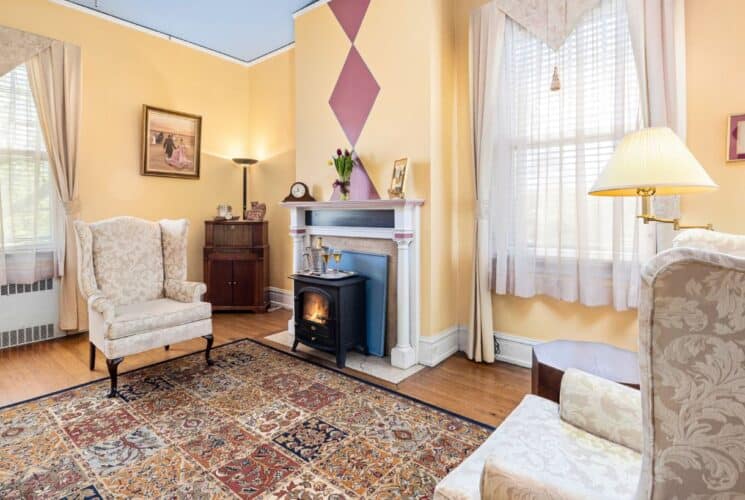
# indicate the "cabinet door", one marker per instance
pixel 248 288
pixel 221 282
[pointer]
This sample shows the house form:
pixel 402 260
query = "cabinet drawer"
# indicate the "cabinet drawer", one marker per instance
pixel 236 253
pixel 233 235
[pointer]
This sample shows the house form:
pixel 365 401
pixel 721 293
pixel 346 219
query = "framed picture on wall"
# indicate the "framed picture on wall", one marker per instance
pixel 736 137
pixel 171 143
pixel 398 179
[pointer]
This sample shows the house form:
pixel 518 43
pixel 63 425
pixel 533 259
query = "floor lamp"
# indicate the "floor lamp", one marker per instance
pixel 245 163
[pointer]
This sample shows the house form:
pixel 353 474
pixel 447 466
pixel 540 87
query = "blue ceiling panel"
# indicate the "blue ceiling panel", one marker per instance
pixel 243 29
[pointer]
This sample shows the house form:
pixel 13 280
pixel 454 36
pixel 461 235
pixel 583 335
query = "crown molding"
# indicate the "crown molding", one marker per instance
pixel 309 7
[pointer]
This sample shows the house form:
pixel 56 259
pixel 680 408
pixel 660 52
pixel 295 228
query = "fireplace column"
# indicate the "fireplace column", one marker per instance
pixel 404 355
pixel 298 235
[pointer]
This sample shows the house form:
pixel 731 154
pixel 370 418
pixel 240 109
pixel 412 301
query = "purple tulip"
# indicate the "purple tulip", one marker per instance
pixel 338 152
pixel 346 152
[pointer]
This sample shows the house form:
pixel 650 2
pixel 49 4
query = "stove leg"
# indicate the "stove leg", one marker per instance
pixel 294 345
pixel 341 359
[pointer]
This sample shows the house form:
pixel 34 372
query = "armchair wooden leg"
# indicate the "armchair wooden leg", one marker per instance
pixel 113 365
pixel 210 339
pixel 92 357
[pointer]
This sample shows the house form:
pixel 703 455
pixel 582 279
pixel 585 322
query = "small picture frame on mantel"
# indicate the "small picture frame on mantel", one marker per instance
pixel 736 137
pixel 398 179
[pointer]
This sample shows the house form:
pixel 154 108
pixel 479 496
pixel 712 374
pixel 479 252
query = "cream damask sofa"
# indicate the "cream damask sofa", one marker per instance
pixel 682 436
pixel 132 272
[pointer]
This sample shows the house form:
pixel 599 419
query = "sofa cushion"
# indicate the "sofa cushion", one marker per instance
pixel 538 455
pixel 602 407
pixel 141 317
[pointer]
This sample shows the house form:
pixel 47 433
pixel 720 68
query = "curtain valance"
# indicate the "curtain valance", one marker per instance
pixel 17 47
pixel 551 21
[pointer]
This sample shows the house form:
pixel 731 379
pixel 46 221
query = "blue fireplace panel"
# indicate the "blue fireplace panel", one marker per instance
pixel 375 268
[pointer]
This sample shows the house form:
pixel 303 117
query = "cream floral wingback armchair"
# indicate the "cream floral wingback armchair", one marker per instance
pixel 682 436
pixel 132 272
pixel 692 358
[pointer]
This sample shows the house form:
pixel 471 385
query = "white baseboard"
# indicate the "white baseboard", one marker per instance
pixel 279 297
pixel 437 348
pixel 514 349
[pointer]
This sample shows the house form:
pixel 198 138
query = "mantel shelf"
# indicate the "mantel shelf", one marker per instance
pixel 353 204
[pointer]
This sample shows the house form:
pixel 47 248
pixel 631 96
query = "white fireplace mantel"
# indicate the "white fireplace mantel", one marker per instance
pixel 405 232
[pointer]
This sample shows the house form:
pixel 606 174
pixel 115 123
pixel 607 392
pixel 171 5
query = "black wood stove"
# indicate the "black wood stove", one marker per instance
pixel 330 314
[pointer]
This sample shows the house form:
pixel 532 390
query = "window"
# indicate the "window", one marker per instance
pixel 549 236
pixel 26 188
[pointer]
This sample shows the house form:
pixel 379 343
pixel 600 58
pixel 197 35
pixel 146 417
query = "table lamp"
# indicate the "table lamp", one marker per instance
pixel 653 161
pixel 245 163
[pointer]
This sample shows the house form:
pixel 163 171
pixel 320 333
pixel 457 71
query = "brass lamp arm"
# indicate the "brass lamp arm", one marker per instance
pixel 646 196
pixel 675 222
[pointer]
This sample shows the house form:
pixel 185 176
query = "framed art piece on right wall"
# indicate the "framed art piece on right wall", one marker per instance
pixel 736 137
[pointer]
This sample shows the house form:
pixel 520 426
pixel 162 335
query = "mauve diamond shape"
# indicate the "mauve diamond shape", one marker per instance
pixel 354 95
pixel 350 14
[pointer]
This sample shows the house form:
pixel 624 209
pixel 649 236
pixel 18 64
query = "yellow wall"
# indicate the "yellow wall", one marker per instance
pixel 714 83
pixel 278 112
pixel 716 78
pixel 271 139
pixel 123 69
pixel 408 49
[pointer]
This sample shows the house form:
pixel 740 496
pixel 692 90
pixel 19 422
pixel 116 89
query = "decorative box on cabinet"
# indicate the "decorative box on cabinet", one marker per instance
pixel 236 265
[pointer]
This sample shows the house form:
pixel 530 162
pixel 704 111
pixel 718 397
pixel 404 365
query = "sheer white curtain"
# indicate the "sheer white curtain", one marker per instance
pixel 27 198
pixel 658 37
pixel 548 236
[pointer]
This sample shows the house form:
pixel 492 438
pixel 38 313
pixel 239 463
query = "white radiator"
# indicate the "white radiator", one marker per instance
pixel 28 313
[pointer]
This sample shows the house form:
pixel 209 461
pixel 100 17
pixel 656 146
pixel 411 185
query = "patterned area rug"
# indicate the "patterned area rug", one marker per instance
pixel 258 424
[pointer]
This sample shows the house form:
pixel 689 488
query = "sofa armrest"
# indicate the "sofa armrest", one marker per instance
pixel 602 407
pixel 185 291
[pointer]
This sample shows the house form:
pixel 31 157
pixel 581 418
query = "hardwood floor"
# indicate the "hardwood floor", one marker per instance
pixel 486 393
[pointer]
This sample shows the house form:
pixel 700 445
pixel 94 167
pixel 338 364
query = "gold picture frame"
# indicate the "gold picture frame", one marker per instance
pixel 398 178
pixel 171 143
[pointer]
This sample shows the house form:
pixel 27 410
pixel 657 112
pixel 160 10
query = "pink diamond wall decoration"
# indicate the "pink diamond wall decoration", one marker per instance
pixel 350 13
pixel 354 95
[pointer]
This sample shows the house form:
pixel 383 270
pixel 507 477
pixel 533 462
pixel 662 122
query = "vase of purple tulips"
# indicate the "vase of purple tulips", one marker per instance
pixel 343 162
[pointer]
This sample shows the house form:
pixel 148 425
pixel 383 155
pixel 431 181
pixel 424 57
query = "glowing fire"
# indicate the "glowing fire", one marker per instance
pixel 315 308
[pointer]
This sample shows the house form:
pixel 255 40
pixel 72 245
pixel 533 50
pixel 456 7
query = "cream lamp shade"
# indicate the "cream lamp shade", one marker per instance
pixel 652 160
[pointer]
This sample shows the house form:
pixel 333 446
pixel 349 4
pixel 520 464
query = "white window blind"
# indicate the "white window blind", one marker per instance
pixel 549 236
pixel 26 191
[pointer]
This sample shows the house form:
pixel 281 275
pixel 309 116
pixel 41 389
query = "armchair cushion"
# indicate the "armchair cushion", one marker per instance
pixel 538 455
pixel 602 407
pixel 185 291
pixel 713 241
pixel 142 317
pixel 128 259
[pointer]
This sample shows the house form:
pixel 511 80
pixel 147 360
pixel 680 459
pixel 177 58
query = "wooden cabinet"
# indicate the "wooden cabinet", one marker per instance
pixel 236 265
